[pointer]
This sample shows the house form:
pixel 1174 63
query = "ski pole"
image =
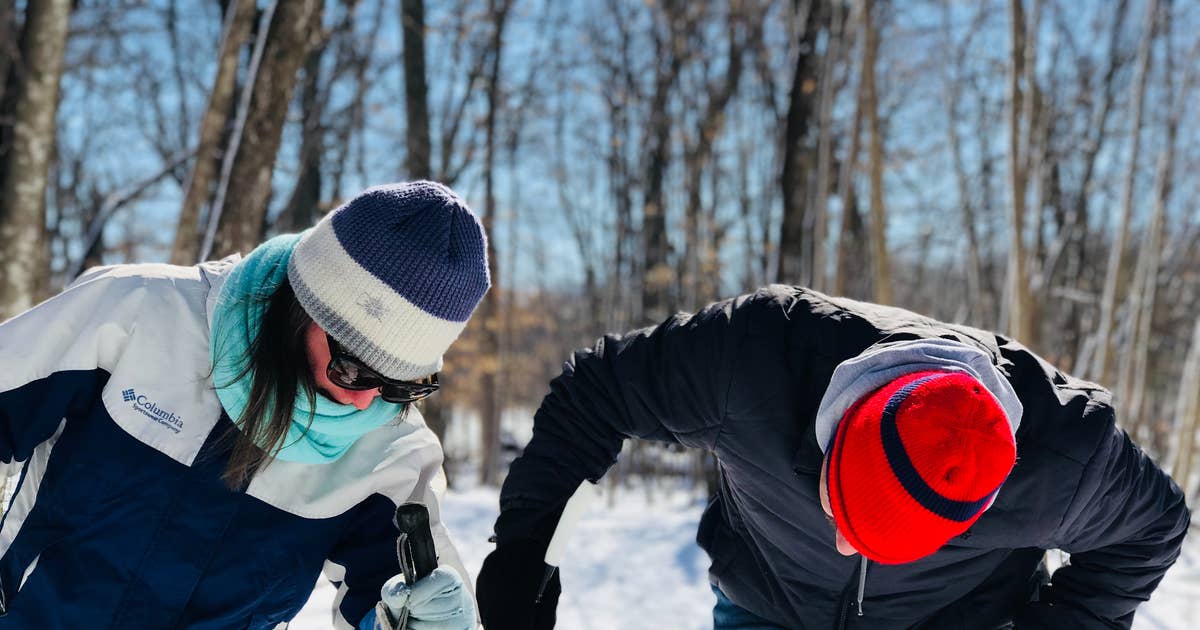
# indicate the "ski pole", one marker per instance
pixel 416 553
pixel 576 506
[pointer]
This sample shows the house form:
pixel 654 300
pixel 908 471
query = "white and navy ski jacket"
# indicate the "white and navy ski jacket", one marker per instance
pixel 120 518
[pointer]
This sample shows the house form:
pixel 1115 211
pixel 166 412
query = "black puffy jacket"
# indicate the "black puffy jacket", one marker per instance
pixel 743 378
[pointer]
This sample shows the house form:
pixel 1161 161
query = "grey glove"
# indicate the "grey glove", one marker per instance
pixel 440 601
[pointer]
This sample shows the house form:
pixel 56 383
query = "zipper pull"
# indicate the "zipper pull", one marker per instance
pixel 862 584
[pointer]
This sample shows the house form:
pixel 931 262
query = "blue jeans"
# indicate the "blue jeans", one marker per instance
pixel 729 616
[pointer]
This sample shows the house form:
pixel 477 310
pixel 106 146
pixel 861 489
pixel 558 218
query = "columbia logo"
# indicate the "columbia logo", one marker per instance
pixel 151 410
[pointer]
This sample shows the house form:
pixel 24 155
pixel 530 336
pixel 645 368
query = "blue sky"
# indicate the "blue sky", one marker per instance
pixel 109 110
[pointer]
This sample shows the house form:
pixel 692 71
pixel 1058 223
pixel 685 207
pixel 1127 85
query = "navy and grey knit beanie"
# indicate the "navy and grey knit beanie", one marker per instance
pixel 393 275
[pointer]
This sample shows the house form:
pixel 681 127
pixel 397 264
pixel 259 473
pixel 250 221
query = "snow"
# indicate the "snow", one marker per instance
pixel 638 566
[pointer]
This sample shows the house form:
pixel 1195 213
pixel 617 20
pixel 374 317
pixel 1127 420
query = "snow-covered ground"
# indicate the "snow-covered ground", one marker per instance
pixel 639 567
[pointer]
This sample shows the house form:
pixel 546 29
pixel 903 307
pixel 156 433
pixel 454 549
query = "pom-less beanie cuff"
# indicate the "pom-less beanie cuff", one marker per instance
pixel 394 274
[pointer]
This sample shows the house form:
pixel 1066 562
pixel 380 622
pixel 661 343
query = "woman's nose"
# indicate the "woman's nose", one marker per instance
pixel 362 399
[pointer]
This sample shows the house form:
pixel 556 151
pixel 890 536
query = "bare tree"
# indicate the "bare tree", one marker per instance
pixel 621 91
pixel 670 52
pixel 416 99
pixel 27 164
pixel 9 53
pixel 1017 302
pixel 1108 300
pixel 851 237
pixel 418 157
pixel 351 58
pixel 698 156
pixel 1132 377
pixel 241 208
pixel 881 275
pixel 818 211
pixel 490 311
pixel 1187 415
pixel 1073 224
pixel 796 174
pixel 302 208
pixel 456 145
pixel 976 299
pixel 239 19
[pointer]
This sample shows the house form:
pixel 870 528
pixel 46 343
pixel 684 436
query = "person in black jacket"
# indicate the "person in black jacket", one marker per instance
pixel 878 469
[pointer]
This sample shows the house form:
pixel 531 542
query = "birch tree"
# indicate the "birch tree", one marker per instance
pixel 26 167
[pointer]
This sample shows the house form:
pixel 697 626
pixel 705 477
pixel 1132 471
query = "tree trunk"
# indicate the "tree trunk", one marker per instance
pixel 1108 299
pixel 796 173
pixel 26 171
pixel 698 159
pixel 9 55
pixel 825 97
pixel 658 276
pixel 303 207
pixel 1036 137
pixel 1017 285
pixel 881 274
pixel 1187 415
pixel 242 205
pixel 490 411
pixel 1078 239
pixel 416 99
pixel 974 270
pixel 238 22
pixel 1131 391
pixel 417 136
pixel 851 226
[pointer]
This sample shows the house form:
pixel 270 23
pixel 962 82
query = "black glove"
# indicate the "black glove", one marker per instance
pixel 507 587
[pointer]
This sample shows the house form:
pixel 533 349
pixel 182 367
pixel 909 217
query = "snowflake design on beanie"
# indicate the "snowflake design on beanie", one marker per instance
pixel 373 306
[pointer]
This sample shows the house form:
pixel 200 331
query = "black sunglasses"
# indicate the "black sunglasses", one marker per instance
pixel 348 372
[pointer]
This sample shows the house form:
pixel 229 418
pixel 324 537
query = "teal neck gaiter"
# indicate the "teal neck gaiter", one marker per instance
pixel 318 434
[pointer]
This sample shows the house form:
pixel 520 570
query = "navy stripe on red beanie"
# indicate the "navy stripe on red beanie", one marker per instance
pixel 916 463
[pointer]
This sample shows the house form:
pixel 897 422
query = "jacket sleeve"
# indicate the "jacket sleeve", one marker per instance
pixel 667 383
pixel 365 556
pixel 56 357
pixel 1123 529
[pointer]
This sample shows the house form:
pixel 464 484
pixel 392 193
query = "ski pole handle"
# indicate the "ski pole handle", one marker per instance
pixel 415 552
pixel 414 546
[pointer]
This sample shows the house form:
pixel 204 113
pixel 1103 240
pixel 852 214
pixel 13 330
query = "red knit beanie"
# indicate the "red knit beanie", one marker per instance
pixel 915 463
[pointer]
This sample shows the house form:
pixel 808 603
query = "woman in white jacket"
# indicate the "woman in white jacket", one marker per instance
pixel 196 443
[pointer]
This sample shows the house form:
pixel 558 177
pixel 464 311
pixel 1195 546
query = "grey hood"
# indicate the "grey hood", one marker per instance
pixel 878 366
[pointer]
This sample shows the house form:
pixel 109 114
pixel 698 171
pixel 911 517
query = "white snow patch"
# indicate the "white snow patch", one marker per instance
pixel 635 564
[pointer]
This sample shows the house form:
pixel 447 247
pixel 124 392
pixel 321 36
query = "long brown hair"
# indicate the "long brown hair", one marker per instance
pixel 277 364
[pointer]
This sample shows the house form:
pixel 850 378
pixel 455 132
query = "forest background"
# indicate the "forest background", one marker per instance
pixel 1025 166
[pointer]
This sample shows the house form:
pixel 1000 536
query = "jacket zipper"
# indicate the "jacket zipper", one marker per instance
pixel 845 603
